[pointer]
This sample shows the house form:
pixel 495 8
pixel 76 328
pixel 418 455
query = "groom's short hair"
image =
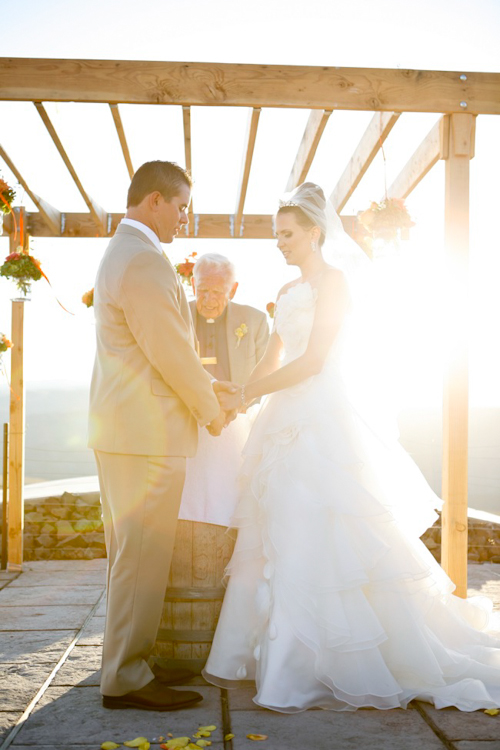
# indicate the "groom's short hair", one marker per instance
pixel 164 176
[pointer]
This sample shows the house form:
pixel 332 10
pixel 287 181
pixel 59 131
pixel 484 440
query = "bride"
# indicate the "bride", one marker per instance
pixel 333 601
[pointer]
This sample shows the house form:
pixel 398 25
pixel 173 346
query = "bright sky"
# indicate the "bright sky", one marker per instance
pixel 430 34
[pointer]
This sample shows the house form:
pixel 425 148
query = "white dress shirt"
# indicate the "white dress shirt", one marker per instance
pixel 145 230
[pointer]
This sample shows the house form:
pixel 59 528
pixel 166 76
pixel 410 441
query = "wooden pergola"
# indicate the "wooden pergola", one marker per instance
pixel 458 96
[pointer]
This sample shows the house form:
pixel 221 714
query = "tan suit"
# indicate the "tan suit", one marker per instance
pixel 243 356
pixel 148 395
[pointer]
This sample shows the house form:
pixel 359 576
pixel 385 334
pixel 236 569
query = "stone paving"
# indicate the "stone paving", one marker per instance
pixel 52 615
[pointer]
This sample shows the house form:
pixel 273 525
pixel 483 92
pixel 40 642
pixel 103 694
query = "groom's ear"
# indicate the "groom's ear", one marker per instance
pixel 233 290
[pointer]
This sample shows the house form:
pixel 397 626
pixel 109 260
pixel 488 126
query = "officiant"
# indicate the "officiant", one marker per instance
pixel 232 339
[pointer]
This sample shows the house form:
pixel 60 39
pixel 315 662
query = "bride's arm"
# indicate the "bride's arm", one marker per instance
pixel 331 306
pixel 270 360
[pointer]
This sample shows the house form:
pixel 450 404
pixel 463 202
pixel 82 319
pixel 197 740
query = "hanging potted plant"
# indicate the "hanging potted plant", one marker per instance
pixel 7 195
pixel 23 268
pixel 388 220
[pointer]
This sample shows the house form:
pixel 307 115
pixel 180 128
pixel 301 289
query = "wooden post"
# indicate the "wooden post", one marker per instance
pixel 17 428
pixel 16 448
pixel 455 406
pixel 5 494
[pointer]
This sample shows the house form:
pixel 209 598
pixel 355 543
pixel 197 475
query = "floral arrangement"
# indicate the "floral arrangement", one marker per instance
pixel 7 195
pixel 4 343
pixel 185 270
pixel 241 331
pixel 88 298
pixel 387 220
pixel 271 308
pixel 23 267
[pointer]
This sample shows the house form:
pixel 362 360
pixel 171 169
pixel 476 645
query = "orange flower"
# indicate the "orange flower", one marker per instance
pixel 270 309
pixel 88 298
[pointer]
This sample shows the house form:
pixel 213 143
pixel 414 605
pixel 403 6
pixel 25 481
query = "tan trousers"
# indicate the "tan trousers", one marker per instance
pixel 140 498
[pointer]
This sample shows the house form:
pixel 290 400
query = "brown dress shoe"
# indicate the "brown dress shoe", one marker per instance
pixel 153 697
pixel 171 676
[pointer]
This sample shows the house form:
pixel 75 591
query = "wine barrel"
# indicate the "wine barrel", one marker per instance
pixel 194 594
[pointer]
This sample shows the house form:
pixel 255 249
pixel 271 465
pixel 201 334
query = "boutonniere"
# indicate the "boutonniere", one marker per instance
pixel 241 331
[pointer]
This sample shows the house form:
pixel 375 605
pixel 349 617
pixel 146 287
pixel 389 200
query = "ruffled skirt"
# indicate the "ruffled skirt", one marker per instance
pixel 332 599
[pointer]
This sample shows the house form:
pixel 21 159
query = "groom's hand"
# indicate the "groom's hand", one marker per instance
pixel 216 425
pixel 224 386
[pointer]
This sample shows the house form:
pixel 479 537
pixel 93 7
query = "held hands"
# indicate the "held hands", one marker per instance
pixel 231 400
pixel 229 395
pixel 222 389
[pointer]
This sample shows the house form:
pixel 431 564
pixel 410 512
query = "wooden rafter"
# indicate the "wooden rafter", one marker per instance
pixel 122 138
pixel 209 226
pixel 433 147
pixel 50 215
pixel 310 140
pixel 251 136
pixel 186 122
pixel 98 214
pixel 145 82
pixel 377 131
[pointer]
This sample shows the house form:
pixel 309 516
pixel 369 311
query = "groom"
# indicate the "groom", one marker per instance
pixel 148 395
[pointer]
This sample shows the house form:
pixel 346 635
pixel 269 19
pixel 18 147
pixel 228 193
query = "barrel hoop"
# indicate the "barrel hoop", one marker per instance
pixel 193 593
pixel 185 636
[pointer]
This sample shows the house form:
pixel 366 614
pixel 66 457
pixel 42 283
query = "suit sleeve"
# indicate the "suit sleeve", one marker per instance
pixel 262 337
pixel 150 306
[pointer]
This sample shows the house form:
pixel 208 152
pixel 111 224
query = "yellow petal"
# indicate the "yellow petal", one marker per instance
pixel 177 742
pixel 203 743
pixel 144 746
pixel 191 746
pixel 257 737
pixel 201 733
pixel 492 711
pixel 109 746
pixel 229 737
pixel 211 728
pixel 136 743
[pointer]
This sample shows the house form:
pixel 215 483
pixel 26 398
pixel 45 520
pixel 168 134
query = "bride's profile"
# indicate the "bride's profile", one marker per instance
pixel 332 599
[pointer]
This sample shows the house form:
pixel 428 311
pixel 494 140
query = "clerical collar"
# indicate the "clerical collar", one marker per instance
pixel 210 321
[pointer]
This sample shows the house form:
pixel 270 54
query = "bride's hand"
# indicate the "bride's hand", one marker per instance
pixel 230 401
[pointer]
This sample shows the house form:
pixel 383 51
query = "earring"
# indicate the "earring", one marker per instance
pixel 313 246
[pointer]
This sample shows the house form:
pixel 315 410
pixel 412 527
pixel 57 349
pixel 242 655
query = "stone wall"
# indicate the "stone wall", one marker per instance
pixel 483 541
pixel 69 527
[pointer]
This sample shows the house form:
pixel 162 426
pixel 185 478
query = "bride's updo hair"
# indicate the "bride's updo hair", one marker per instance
pixel 307 203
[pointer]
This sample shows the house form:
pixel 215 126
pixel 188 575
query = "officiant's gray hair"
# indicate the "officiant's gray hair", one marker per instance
pixel 214 263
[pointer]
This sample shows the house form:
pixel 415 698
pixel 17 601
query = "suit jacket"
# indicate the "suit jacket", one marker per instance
pixel 149 389
pixel 243 356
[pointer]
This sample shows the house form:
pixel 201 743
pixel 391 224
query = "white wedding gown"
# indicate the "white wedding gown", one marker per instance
pixel 332 599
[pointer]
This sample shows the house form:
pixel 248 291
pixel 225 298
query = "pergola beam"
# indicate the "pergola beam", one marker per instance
pixel 433 147
pixel 371 142
pixel 310 140
pixel 208 226
pixel 251 136
pixel 50 215
pixel 228 84
pixel 186 122
pixel 122 138
pixel 98 214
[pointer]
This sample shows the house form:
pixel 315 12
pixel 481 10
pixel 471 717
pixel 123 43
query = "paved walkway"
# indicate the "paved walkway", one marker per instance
pixel 51 626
